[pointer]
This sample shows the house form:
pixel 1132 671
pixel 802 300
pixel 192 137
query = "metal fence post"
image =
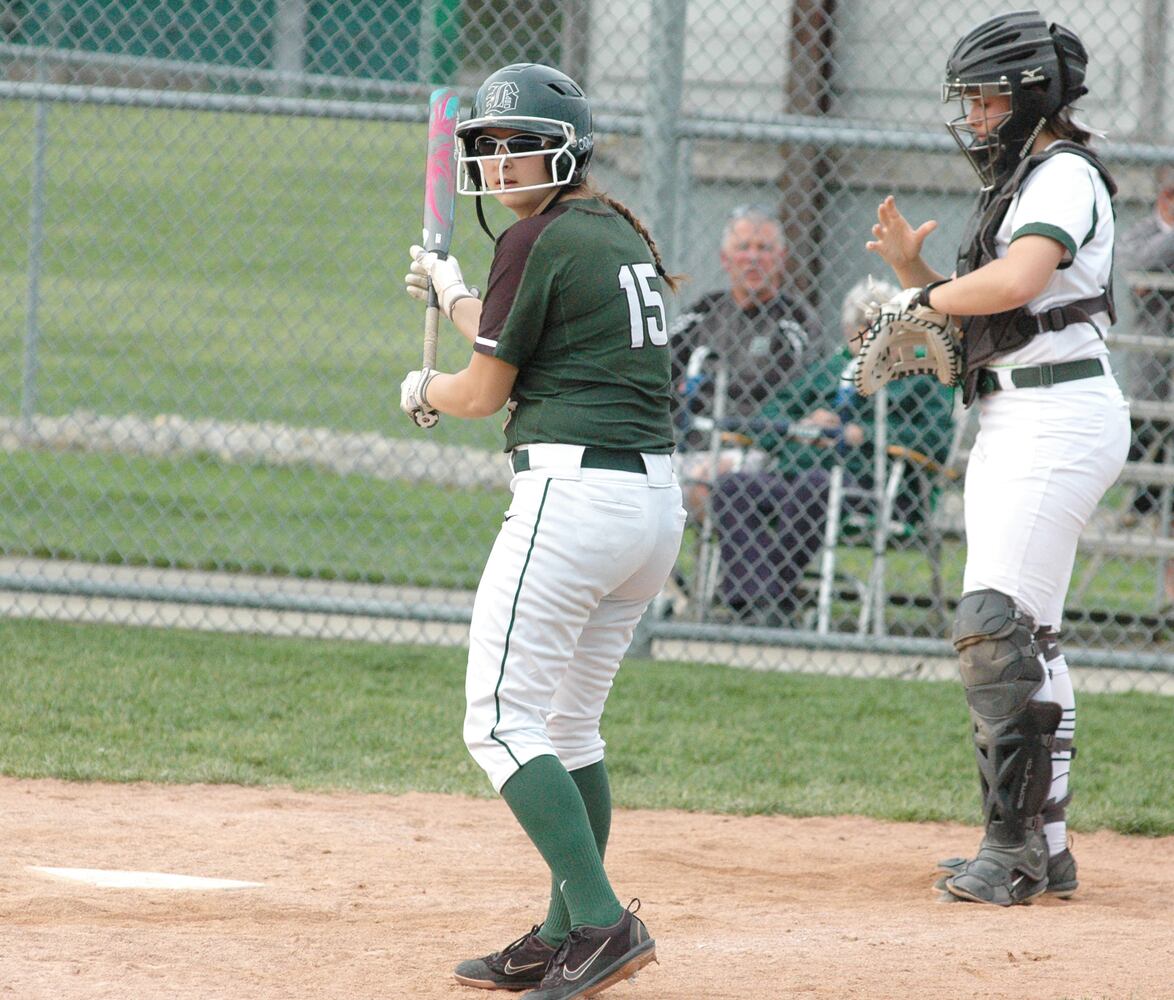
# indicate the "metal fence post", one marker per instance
pixel 575 40
pixel 31 365
pixel 289 45
pixel 683 233
pixel 429 36
pixel 666 61
pixel 1153 68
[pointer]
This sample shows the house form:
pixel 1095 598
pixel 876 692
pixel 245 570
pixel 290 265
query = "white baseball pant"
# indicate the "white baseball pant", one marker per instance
pixel 1042 460
pixel 581 554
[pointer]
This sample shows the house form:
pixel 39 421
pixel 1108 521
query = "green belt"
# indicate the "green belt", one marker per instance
pixel 593 458
pixel 1042 375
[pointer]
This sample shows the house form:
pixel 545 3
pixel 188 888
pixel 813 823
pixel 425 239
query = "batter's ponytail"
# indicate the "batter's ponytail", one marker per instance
pixel 672 280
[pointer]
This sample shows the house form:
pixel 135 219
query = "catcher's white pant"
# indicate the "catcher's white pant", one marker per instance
pixel 581 554
pixel 1041 462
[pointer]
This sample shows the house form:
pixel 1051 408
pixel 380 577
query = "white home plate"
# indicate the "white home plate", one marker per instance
pixel 142 880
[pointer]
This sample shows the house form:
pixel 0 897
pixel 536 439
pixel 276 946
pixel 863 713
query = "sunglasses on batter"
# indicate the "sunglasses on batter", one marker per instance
pixel 524 142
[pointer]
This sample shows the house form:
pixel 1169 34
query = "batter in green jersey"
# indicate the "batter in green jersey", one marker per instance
pixel 592 368
pixel 572 335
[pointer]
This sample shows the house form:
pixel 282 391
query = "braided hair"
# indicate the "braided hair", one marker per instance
pixel 672 280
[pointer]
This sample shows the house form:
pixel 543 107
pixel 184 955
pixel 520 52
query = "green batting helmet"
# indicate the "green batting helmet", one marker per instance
pixel 534 99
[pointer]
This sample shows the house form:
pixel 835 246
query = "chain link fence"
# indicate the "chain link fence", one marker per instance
pixel 202 325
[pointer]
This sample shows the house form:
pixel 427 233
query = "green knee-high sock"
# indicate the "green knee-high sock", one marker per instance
pixel 596 792
pixel 547 803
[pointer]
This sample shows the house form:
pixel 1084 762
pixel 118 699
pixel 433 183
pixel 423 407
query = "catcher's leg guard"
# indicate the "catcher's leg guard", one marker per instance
pixel 1001 671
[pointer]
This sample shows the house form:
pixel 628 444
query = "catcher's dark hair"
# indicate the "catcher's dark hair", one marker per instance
pixel 672 280
pixel 1062 126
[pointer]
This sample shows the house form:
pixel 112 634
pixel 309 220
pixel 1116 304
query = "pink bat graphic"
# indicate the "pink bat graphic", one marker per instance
pixel 440 170
pixel 440 197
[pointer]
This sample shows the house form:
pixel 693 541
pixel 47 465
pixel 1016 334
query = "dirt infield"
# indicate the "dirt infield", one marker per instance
pixel 368 896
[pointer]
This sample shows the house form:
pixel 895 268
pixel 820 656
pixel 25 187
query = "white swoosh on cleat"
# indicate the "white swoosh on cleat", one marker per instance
pixel 573 974
pixel 510 969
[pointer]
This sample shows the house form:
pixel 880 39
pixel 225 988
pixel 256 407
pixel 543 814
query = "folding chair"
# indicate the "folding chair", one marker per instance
pixel 729 449
pixel 705 569
pixel 692 597
pixel 892 464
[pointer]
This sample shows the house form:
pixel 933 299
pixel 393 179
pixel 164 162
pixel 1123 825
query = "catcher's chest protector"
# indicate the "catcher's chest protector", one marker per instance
pixel 986 337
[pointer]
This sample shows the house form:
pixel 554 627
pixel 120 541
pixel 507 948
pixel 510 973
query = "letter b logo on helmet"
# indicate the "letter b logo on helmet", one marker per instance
pixel 500 98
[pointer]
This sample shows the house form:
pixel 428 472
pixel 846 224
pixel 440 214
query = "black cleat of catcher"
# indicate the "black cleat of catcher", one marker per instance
pixel 1062 881
pixel 520 965
pixel 594 958
pixel 1003 874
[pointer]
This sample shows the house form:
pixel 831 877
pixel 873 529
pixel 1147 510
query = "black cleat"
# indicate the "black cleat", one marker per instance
pixel 1003 874
pixel 594 958
pixel 1062 881
pixel 520 965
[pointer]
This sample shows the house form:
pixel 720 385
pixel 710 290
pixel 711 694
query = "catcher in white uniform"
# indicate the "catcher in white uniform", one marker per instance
pixel 572 334
pixel 1031 297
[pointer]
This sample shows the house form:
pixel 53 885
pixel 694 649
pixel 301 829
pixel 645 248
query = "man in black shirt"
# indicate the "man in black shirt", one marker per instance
pixel 763 335
pixel 1145 252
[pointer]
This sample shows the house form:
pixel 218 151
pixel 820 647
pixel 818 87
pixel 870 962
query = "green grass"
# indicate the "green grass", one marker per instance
pixel 227 266
pixel 1123 586
pixel 200 513
pixel 103 703
pixel 249 268
pixel 232 267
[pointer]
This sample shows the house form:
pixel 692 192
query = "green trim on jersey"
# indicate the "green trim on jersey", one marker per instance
pixel 505 652
pixel 1096 217
pixel 588 333
pixel 1048 230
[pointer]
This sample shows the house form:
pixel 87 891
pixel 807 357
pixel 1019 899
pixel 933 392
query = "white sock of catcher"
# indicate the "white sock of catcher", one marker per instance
pixel 1064 695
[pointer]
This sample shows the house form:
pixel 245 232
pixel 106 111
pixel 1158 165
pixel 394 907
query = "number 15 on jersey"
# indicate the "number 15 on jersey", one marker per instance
pixel 645 304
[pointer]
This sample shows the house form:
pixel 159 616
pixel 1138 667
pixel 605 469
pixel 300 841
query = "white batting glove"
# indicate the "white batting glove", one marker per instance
pixel 413 398
pixel 445 274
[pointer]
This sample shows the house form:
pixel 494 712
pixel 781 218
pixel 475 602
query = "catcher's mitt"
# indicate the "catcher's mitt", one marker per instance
pixel 907 339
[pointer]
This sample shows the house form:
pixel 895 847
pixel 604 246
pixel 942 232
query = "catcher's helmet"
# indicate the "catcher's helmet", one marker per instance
pixel 1018 55
pixel 536 100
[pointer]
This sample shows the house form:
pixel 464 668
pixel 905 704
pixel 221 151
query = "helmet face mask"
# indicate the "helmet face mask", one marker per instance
pixel 532 99
pixel 559 142
pixel 984 148
pixel 1038 67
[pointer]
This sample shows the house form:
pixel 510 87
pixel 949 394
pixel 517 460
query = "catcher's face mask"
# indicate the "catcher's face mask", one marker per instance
pixel 985 109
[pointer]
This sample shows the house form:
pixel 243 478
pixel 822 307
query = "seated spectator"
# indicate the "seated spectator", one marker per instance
pixel 770 524
pixel 1144 250
pixel 758 333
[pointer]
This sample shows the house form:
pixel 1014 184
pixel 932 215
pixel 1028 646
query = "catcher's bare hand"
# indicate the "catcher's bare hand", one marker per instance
pixel 413 398
pixel 908 339
pixel 894 239
pixel 443 272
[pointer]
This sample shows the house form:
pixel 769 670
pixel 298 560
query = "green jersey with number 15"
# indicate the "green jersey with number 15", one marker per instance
pixel 575 304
